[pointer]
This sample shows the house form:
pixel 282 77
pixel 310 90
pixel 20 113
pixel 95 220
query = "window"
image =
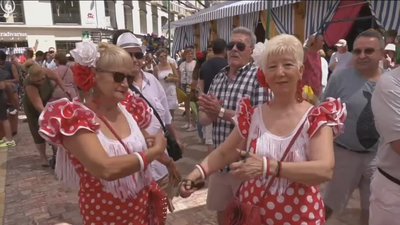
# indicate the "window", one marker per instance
pixel 109 7
pixel 143 17
pixel 128 15
pixel 12 12
pixel 66 11
pixel 65 46
pixel 154 14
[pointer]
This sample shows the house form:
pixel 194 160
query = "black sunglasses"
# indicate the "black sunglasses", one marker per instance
pixel 120 77
pixel 367 51
pixel 239 45
pixel 137 55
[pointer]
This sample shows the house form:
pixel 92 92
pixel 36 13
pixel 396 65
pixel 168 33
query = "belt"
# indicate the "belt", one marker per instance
pixel 361 152
pixel 389 177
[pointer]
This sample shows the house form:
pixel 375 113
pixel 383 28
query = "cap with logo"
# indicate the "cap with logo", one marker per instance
pixel 129 40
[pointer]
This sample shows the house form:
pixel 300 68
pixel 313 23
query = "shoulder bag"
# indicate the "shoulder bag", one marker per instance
pixel 173 148
pixel 240 213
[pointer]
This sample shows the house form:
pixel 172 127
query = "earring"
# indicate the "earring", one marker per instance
pixel 299 91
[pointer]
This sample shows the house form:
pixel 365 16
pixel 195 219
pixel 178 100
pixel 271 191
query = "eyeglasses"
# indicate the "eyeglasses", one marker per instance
pixel 51 52
pixel 239 45
pixel 137 55
pixel 120 77
pixel 367 51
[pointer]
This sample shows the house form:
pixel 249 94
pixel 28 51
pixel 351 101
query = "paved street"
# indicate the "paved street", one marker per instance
pixel 34 196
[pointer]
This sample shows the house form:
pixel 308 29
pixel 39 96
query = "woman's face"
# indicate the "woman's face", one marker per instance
pixel 282 74
pixel 162 57
pixel 113 83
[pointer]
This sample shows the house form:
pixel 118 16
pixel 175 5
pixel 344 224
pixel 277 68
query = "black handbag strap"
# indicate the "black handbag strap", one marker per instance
pixel 134 89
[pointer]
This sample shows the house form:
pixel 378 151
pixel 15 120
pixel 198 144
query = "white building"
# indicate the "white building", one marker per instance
pixel 43 24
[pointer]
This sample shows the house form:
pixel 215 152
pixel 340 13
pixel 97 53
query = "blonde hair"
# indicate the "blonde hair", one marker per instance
pixel 283 44
pixel 160 51
pixel 34 70
pixel 112 56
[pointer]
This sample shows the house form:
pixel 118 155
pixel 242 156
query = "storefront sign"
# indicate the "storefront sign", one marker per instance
pixel 90 18
pixel 13 34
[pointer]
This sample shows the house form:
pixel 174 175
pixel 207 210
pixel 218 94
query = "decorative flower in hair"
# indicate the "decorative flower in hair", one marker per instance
pixel 85 54
pixel 199 55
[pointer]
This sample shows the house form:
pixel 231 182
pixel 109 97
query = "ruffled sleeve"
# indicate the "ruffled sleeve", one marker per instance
pixel 331 113
pixel 244 112
pixel 139 109
pixel 64 118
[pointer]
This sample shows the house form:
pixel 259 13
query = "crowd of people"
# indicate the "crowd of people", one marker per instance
pixel 109 108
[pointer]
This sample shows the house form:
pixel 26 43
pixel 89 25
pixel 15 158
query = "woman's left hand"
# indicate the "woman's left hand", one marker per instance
pixel 247 168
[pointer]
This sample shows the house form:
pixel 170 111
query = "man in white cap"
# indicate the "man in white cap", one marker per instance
pixel 389 62
pixel 164 170
pixel 342 58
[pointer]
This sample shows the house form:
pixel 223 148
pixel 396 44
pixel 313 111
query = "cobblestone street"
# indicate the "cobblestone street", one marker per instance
pixel 34 196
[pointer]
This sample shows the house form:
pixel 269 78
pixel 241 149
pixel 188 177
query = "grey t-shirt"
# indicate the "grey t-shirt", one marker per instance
pixel 343 60
pixel 386 108
pixel 360 133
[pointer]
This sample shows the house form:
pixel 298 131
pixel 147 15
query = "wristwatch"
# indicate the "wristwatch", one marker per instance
pixel 221 112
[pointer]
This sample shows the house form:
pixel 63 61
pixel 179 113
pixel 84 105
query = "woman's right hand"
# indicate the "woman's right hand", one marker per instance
pixel 191 184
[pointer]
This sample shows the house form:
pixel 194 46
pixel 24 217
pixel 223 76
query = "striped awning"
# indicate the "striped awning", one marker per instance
pixel 318 13
pixel 387 13
pixel 230 9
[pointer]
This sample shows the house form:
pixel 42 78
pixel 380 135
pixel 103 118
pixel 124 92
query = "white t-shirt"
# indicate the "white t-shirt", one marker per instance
pixel 325 72
pixel 343 60
pixel 186 70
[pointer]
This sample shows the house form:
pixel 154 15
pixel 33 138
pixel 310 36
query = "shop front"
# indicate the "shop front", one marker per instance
pixel 13 42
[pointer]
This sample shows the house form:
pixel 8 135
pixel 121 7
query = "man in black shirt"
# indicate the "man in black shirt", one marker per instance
pixel 208 70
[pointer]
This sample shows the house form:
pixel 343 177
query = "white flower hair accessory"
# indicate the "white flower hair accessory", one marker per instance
pixel 86 54
pixel 257 51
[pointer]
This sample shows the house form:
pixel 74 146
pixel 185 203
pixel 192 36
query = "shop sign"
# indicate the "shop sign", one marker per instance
pixel 90 18
pixel 13 34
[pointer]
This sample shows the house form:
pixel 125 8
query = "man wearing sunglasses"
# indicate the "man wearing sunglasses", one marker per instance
pixel 164 169
pixel 218 107
pixel 355 149
pixel 49 62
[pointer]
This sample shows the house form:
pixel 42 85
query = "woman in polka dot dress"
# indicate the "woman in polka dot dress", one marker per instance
pixel 285 192
pixel 101 146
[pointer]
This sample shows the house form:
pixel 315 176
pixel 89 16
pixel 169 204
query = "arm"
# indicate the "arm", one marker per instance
pixel 319 168
pixel 225 154
pixel 54 76
pixel 174 78
pixel 86 147
pixel 386 108
pixel 34 96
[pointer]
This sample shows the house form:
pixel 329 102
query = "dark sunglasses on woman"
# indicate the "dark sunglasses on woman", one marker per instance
pixel 239 45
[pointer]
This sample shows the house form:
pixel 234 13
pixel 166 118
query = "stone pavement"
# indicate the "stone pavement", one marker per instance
pixel 34 197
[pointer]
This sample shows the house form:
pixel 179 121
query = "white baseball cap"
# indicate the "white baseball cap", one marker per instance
pixel 129 40
pixel 341 43
pixel 390 47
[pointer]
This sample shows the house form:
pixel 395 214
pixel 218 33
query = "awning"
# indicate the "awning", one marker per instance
pixel 196 18
pixel 387 13
pixel 230 9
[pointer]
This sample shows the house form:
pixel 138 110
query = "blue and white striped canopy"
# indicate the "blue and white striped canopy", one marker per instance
pixel 229 9
pixel 387 13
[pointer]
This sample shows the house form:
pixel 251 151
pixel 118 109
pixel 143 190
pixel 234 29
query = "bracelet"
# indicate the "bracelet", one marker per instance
pixel 145 164
pixel 268 166
pixel 264 166
pixel 140 160
pixel 202 172
pixel 278 168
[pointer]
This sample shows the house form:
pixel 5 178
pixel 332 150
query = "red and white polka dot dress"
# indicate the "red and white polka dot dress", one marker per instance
pixel 136 199
pixel 286 202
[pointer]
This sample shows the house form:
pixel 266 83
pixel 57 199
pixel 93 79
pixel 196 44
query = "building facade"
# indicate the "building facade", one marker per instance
pixel 42 24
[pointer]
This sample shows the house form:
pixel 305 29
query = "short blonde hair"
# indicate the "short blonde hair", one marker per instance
pixel 160 51
pixel 281 45
pixel 112 56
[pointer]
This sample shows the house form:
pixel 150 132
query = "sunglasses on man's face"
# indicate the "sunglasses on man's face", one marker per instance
pixel 137 55
pixel 239 45
pixel 51 52
pixel 367 51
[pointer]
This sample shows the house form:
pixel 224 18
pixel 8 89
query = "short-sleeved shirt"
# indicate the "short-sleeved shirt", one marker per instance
pixel 186 70
pixel 360 133
pixel 386 108
pixel 231 91
pixel 209 69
